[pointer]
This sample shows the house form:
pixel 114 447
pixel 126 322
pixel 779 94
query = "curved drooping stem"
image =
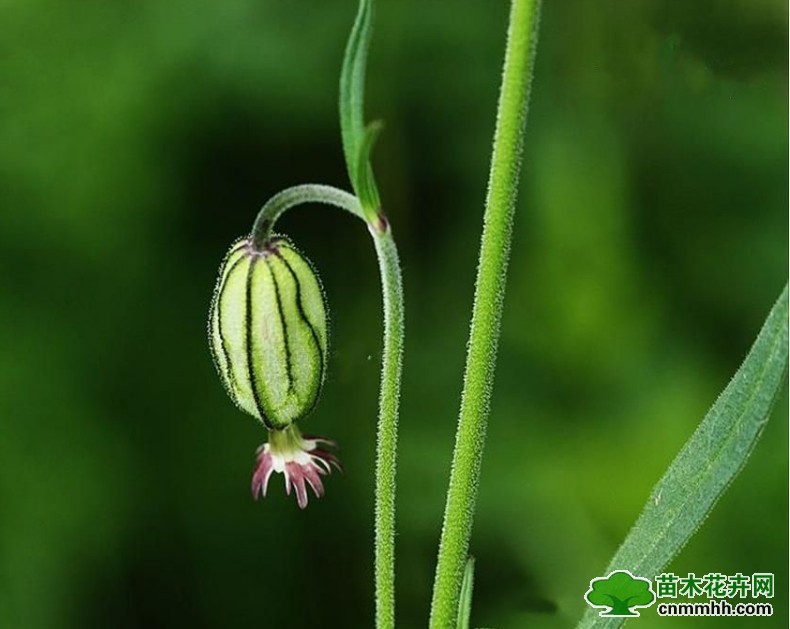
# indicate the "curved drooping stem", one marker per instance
pixel 298 195
pixel 389 394
pixel 486 314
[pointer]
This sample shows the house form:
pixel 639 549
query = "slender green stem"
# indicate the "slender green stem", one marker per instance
pixel 386 447
pixel 486 315
pixel 389 395
pixel 358 141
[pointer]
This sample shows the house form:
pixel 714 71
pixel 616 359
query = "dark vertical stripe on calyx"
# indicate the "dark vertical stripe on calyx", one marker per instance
pixel 314 334
pixel 283 324
pixel 229 377
pixel 248 341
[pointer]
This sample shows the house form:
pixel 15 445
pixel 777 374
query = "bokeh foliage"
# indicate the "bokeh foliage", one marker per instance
pixel 139 139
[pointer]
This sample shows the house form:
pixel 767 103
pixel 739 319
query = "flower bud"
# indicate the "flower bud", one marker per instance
pixel 268 331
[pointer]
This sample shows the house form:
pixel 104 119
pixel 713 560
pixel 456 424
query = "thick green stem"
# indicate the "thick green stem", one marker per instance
pixel 487 311
pixel 389 395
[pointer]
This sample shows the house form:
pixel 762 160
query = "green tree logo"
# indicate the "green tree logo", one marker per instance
pixel 618 593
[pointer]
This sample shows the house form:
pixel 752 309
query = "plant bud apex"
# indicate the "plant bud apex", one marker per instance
pixel 268 331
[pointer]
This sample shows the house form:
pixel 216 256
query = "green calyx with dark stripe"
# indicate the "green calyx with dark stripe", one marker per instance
pixel 268 331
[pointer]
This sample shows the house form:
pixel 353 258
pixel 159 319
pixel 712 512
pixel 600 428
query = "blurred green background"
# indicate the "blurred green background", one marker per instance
pixel 137 140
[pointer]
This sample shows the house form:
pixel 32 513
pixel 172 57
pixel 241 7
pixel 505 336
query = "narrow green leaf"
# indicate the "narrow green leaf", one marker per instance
pixel 352 89
pixel 709 461
pixel 465 606
pixel 368 192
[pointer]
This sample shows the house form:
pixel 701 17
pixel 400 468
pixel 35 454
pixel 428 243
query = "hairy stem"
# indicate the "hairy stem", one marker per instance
pixel 392 292
pixel 487 312
pixel 389 394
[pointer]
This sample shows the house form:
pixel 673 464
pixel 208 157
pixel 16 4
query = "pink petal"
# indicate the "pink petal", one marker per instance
pixel 312 477
pixel 260 479
pixel 296 472
pixel 329 458
pixel 321 440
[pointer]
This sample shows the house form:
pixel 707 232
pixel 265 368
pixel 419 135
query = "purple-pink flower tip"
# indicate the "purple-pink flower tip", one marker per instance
pixel 303 460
